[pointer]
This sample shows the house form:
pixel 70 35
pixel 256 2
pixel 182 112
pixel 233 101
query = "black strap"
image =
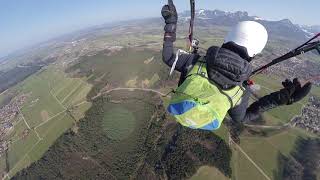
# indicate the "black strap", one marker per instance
pixel 192 4
pixel 305 47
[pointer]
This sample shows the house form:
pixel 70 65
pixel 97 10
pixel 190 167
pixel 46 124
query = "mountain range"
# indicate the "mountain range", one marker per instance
pixel 278 30
pixel 283 28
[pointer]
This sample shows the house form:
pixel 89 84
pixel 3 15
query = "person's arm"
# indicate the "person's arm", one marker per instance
pixel 255 110
pixel 169 57
pixel 238 113
pixel 170 16
pixel 291 93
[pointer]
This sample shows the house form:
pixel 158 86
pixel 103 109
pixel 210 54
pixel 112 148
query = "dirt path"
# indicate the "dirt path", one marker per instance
pixel 31 149
pixel 55 97
pixel 248 157
pixel 50 119
pixel 129 89
pixel 269 127
pixel 78 86
pixel 24 119
pixel 3 92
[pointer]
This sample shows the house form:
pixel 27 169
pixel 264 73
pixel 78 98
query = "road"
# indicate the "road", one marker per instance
pixel 129 89
pixel 3 92
pixel 269 127
pixel 55 97
pixel 23 118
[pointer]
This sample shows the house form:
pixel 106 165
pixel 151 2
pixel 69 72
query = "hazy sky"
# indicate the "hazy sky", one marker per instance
pixel 27 22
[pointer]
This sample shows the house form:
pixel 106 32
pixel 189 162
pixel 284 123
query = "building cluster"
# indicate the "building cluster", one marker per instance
pixel 310 118
pixel 8 115
pixel 300 66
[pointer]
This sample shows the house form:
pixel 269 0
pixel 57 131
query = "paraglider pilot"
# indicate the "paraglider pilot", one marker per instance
pixel 212 86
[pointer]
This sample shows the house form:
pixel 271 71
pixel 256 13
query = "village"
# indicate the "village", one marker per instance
pixel 310 118
pixel 8 117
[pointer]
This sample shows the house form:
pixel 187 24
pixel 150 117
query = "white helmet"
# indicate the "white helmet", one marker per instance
pixel 249 34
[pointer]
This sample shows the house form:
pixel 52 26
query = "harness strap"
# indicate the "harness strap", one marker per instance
pixel 200 72
pixel 178 53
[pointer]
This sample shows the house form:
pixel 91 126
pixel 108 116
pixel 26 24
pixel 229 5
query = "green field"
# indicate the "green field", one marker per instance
pixel 19 126
pixel 77 95
pixel 3 165
pixel 126 66
pixel 44 116
pixel 119 123
pixel 19 149
pixel 40 100
pixel 49 132
pixel 262 152
pixel 155 78
pixel 2 97
pixel 242 168
pixel 78 112
pixel 265 151
pixel 207 172
pixel 315 91
pixel 67 90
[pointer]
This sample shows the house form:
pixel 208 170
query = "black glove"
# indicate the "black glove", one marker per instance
pixel 169 13
pixel 293 92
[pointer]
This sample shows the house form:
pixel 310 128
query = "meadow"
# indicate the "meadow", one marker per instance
pixel 119 68
pixel 265 151
pixel 111 135
pixel 207 172
pixel 44 117
pixel 118 122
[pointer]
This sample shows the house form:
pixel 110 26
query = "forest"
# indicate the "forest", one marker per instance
pixel 16 75
pixel 156 146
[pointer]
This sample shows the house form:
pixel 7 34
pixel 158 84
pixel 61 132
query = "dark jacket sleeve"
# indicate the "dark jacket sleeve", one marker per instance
pixel 243 113
pixel 262 105
pixel 169 56
pixel 238 112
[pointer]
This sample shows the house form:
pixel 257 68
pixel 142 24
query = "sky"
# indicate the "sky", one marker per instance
pixel 27 22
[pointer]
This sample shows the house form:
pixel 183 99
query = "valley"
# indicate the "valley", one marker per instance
pixel 99 111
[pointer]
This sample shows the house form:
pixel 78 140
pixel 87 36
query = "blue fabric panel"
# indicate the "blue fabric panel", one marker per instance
pixel 181 107
pixel 211 126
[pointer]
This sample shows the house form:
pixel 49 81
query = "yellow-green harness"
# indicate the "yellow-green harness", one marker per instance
pixel 199 103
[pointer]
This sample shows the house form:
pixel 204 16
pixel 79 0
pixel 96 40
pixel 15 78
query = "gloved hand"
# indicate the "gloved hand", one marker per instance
pixel 170 15
pixel 293 91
